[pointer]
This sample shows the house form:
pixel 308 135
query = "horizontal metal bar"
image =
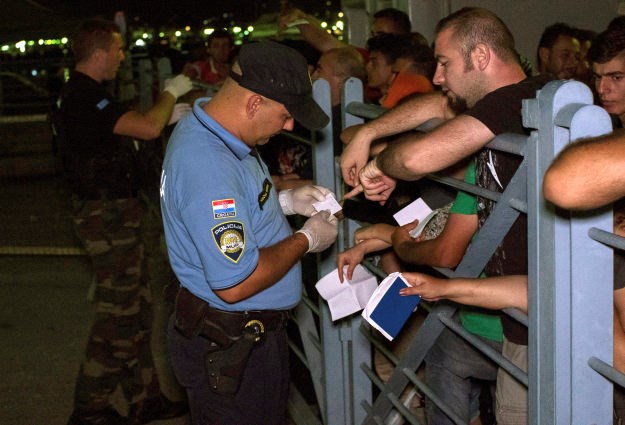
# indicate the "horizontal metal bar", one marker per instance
pixel 510 143
pixel 607 238
pixel 13 119
pixel 517 315
pixel 372 376
pixel 311 305
pixel 519 205
pixel 297 138
pixel 466 187
pixel 496 357
pixel 299 353
pixel 607 371
pixel 373 269
pixel 405 412
pixel 364 110
pixel 427 391
pixel 382 348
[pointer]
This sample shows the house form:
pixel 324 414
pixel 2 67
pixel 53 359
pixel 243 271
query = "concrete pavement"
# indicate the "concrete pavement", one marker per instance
pixel 44 313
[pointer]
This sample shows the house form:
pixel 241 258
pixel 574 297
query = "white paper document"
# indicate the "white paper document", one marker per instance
pixel 416 210
pixel 350 296
pixel 329 204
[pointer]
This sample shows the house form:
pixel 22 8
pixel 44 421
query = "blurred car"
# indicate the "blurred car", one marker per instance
pixel 20 95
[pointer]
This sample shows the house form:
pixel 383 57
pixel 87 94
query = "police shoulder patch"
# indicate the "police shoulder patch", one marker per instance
pixel 230 239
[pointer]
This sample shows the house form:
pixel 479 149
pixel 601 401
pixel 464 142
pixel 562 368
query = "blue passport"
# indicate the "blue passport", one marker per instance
pixel 388 311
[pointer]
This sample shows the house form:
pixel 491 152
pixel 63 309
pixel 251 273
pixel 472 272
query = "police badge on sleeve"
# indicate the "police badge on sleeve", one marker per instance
pixel 230 239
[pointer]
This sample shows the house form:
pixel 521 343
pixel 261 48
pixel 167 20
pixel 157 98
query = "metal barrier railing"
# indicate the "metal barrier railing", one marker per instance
pixel 510 204
pixel 566 373
pixel 562 112
pixel 570 314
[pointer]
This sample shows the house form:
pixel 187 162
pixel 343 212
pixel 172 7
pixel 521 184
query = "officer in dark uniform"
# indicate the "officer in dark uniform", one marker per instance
pixel 96 150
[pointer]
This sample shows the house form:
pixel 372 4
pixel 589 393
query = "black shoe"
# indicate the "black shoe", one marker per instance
pixel 158 408
pixel 108 416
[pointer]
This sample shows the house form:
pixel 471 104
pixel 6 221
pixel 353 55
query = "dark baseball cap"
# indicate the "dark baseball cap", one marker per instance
pixel 280 73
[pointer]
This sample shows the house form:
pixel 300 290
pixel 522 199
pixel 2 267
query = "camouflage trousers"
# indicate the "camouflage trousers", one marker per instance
pixel 118 350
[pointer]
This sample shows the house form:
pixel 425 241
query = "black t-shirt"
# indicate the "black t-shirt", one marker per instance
pixel 500 111
pixel 95 159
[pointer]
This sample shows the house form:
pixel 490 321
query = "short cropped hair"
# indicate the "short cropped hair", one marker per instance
pixel 391 46
pixel 607 45
pixel 583 35
pixel 219 33
pixel 349 63
pixel 474 25
pixel 399 18
pixel 618 22
pixel 91 35
pixel 421 57
pixel 551 34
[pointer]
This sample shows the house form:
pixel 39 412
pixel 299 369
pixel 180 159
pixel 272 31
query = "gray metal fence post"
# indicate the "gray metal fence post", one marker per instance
pixel 570 277
pixel 344 347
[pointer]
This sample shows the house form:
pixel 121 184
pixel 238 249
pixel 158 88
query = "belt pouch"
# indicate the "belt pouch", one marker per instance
pixel 189 314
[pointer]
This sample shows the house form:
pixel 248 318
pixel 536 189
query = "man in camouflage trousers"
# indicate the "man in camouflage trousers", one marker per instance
pixel 97 149
pixel 118 350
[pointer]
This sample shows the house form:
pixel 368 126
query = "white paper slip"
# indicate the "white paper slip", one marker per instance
pixel 350 296
pixel 328 204
pixel 416 210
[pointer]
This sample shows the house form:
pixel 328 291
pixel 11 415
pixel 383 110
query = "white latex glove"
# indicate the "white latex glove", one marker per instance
pixel 178 86
pixel 321 230
pixel 179 111
pixel 301 200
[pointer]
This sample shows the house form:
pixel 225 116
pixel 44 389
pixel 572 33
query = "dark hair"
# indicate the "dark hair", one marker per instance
pixel 421 56
pixel 418 38
pixel 91 35
pixel 551 34
pixel 618 22
pixel 399 18
pixel 607 45
pixel 219 33
pixel 584 34
pixel 391 46
pixel 474 25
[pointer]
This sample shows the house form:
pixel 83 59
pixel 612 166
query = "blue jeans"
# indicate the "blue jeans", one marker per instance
pixel 452 367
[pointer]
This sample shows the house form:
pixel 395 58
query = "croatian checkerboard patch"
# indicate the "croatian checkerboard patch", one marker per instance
pixel 224 208
pixel 230 239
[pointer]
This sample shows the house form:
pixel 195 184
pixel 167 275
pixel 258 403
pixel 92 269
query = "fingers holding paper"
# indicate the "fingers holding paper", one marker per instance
pixel 402 234
pixel 348 260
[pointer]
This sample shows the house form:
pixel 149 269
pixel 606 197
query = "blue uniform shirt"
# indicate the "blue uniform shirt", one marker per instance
pixel 219 209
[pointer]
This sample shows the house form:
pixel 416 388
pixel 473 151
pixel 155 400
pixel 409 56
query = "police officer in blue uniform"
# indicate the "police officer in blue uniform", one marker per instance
pixel 229 241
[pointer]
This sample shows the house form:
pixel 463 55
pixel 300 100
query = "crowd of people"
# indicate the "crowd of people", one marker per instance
pixel 225 191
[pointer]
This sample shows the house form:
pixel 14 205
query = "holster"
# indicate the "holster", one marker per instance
pixel 234 333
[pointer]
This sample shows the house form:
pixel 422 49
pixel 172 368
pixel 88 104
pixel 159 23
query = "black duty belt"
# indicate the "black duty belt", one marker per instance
pixel 195 317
